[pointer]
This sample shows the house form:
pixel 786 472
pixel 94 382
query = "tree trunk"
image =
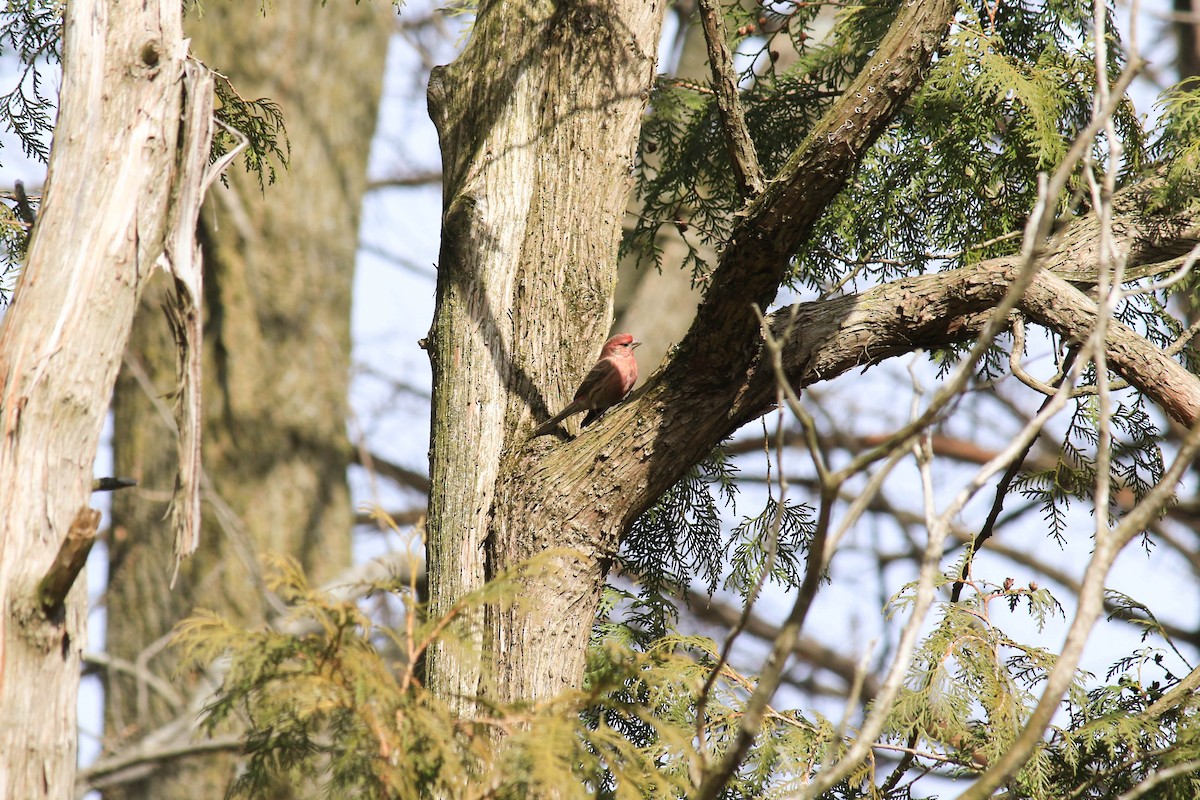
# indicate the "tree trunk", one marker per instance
pixel 279 270
pixel 113 177
pixel 552 132
pixel 538 120
pixel 522 291
pixel 1186 30
pixel 533 188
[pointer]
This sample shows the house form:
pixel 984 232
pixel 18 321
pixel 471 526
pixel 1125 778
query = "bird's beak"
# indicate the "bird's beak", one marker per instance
pixel 636 344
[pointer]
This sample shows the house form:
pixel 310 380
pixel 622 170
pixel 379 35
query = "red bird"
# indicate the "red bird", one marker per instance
pixel 605 385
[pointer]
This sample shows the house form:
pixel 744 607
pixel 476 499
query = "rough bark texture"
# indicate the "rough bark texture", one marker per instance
pixel 101 229
pixel 538 119
pixel 279 267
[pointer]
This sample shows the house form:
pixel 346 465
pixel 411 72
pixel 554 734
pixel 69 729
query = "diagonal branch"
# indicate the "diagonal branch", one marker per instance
pixel 742 155
pixel 1063 308
pixel 946 308
pixel 677 419
pixel 778 221
pixel 136 764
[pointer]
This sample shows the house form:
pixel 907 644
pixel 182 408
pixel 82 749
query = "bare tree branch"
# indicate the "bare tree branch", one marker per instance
pixel 411 180
pixel 1058 305
pixel 139 762
pixel 392 471
pixel 1091 603
pixel 94 661
pixel 807 649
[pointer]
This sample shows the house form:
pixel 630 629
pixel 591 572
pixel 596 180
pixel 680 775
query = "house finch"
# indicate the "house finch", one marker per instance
pixel 606 383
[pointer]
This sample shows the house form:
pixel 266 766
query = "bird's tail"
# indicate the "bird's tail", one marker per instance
pixel 549 425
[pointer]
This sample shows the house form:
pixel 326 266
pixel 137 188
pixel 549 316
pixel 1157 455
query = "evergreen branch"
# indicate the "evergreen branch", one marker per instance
pixel 1091 603
pixel 831 337
pixel 742 154
pixel 716 329
pixel 1037 230
pixel 777 517
pixel 715 780
pixel 1098 777
pixel 778 221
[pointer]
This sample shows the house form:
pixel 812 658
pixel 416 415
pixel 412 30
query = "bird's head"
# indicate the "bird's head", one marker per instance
pixel 623 343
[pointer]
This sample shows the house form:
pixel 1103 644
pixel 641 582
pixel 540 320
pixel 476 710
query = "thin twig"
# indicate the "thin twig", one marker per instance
pixel 227 519
pixel 1158 776
pixel 1017 324
pixel 1091 605
pixel 922 601
pixel 784 389
pixel 112 664
pixel 911 753
pixel 1184 270
pixel 989 525
pixel 111 771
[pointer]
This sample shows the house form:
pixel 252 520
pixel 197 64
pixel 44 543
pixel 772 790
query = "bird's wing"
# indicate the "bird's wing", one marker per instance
pixel 602 380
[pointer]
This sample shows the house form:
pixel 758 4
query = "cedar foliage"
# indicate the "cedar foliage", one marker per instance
pixel 332 699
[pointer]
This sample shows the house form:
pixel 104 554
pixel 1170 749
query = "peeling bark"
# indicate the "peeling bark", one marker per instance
pixel 110 198
pixel 279 265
